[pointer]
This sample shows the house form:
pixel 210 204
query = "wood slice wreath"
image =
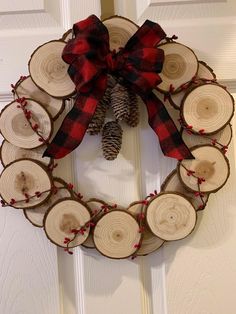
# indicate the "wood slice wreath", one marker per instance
pixel 199 106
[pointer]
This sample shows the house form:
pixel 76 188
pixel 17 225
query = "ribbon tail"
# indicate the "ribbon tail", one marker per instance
pixel 75 124
pixel 160 121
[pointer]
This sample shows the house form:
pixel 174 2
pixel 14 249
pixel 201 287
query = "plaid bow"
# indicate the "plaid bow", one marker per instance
pixel 137 63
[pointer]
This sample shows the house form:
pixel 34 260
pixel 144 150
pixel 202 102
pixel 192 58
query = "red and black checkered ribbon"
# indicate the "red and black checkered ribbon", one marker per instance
pixel 138 63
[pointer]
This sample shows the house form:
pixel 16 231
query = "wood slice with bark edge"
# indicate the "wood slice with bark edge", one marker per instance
pixel 171 216
pixel 10 153
pixel 25 176
pixel 93 204
pixel 120 30
pixel 209 163
pixel 173 184
pixel 208 107
pixel 180 66
pixel 113 241
pixel 204 72
pixel 150 243
pixel 16 129
pixel 48 70
pixel 26 88
pixel 67 35
pixel 36 215
pixel 65 215
pixel 223 137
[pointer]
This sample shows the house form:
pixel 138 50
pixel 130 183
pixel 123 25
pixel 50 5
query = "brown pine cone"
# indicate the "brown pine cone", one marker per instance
pixel 133 117
pixel 119 102
pixel 98 118
pixel 111 140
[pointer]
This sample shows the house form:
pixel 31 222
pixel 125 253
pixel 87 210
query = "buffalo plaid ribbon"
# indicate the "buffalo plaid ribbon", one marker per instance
pixel 138 63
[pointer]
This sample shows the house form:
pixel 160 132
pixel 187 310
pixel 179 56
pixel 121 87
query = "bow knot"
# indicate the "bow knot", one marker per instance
pixel 138 64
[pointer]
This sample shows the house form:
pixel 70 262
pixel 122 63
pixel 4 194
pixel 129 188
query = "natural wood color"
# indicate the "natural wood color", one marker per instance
pixel 49 72
pixel 180 66
pixel 207 107
pixel 26 88
pixel 36 215
pixel 120 30
pixel 171 216
pixel 10 153
pixel 25 176
pixel 209 163
pixel 116 234
pixel 16 129
pixel 65 215
pixel 223 137
pixel 204 73
pixel 150 243
pixel 173 184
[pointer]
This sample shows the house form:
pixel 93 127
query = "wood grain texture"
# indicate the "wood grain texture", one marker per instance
pixel 25 282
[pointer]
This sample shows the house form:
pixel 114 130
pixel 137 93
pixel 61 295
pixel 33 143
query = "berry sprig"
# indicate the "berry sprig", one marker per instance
pixel 88 224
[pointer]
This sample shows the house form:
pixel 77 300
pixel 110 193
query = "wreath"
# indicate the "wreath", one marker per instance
pixel 105 68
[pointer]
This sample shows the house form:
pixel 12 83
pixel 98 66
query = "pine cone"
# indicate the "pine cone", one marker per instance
pixel 133 117
pixel 111 140
pixel 98 119
pixel 119 102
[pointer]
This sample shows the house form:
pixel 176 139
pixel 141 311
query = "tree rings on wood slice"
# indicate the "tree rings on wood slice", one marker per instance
pixel 24 178
pixel 207 107
pixel 36 215
pixel 204 72
pixel 170 216
pixel 223 137
pixel 95 206
pixel 120 30
pixel 116 234
pixel 64 216
pixel 10 153
pixel 180 66
pixel 28 89
pixel 17 130
pixel 210 164
pixel 49 71
pixel 150 243
pixel 173 184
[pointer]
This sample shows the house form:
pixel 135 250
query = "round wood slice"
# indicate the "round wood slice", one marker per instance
pixel 36 215
pixel 64 216
pixel 207 107
pixel 209 163
pixel 116 234
pixel 180 66
pixel 10 153
pixel 49 71
pixel 205 72
pixel 16 129
pixel 173 184
pixel 120 30
pixel 67 36
pixel 28 89
pixel 94 205
pixel 22 177
pixel 150 242
pixel 223 137
pixel 170 216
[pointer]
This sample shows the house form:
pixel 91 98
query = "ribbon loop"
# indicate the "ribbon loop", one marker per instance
pixel 138 63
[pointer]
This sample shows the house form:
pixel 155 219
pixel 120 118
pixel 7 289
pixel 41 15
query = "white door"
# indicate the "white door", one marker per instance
pixel 196 275
pixel 31 270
